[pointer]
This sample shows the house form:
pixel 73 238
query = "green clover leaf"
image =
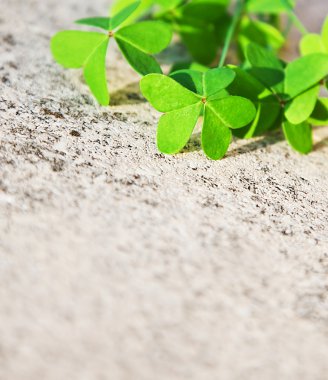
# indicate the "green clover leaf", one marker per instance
pixel 315 43
pixel 183 107
pixel 269 6
pixel 98 22
pixel 88 50
pixel 221 116
pixel 305 72
pixel 196 21
pixel 259 32
pixel 319 116
pixel 201 25
pixel 268 108
pixel 302 106
pixel 266 67
pixel 144 8
pixel 298 136
pixel 295 85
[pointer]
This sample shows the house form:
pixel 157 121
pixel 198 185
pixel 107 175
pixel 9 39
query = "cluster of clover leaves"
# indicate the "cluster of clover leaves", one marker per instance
pixel 256 95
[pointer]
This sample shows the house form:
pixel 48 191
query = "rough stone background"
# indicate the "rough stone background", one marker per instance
pixel 117 262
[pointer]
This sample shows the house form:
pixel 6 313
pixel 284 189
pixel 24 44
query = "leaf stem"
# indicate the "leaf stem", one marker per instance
pixel 288 27
pixel 297 22
pixel 237 13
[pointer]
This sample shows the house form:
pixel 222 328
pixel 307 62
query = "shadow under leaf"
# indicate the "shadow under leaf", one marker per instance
pixel 321 144
pixel 130 94
pixel 257 144
pixel 194 144
pixel 176 52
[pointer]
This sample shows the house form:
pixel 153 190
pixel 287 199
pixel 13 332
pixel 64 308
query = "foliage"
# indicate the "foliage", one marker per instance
pixel 182 106
pixel 257 94
pixel 75 49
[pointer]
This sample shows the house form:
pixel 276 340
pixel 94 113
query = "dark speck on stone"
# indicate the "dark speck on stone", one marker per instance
pixel 75 133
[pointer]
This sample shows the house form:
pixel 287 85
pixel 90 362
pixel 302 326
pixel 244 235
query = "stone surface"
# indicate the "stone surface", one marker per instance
pixel 117 262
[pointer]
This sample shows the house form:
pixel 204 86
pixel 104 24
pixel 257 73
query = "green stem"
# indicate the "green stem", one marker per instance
pixel 297 22
pixel 231 31
pixel 288 27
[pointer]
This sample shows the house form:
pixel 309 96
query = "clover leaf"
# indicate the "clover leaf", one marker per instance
pixel 145 7
pixel 259 32
pixel 299 136
pixel 269 6
pixel 87 50
pixel 142 9
pixel 295 85
pixel 266 67
pixel 305 72
pixel 268 107
pixel 315 43
pixel 201 25
pixel 301 107
pixel 319 116
pixel 183 107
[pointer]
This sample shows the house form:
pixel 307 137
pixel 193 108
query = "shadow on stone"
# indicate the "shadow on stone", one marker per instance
pixel 321 144
pixel 130 94
pixel 194 144
pixel 259 143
